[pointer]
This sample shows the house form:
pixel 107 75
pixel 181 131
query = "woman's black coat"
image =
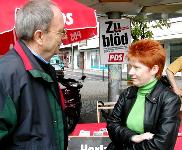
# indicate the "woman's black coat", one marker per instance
pixel 161 118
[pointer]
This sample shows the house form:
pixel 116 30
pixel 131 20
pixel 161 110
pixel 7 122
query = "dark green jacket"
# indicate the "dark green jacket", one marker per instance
pixel 31 117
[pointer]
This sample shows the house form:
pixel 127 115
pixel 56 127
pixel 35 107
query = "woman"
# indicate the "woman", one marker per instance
pixel 146 115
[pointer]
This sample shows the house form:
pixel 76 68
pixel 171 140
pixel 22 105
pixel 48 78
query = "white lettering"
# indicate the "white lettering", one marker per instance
pixel 111 57
pixel 116 57
pixel 85 147
pixel 68 20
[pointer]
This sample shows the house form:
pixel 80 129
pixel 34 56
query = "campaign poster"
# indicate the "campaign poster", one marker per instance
pixel 115 38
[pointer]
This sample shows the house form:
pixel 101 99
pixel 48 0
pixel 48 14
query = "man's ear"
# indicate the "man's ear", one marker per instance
pixel 38 36
pixel 155 69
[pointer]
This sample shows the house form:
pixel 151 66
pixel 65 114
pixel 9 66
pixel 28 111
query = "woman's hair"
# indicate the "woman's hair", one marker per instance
pixel 35 15
pixel 148 52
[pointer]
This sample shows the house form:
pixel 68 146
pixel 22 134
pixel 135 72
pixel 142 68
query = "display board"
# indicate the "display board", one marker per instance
pixel 115 38
pixel 88 143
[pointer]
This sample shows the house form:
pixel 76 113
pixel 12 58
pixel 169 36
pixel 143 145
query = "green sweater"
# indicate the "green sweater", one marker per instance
pixel 135 120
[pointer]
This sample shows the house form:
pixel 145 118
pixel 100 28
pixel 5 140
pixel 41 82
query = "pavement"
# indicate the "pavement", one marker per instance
pixel 92 92
pixel 90 71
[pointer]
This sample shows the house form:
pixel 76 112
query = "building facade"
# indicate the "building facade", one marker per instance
pixel 86 54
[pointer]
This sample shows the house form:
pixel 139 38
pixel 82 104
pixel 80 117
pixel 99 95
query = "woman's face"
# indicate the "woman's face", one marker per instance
pixel 140 73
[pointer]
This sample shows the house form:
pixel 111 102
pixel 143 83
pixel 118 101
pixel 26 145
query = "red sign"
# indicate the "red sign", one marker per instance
pixel 116 57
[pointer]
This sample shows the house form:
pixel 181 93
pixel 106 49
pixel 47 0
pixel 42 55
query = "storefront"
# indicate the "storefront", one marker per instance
pixel 95 60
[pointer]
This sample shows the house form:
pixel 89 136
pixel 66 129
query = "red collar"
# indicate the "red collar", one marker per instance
pixel 23 56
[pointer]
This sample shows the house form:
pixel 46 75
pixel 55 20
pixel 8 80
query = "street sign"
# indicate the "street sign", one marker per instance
pixel 115 37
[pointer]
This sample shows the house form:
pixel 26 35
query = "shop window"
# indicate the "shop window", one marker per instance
pixel 95 60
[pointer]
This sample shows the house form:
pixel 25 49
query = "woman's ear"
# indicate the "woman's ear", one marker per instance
pixel 155 69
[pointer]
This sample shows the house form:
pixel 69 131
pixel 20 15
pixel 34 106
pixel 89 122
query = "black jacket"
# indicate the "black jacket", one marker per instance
pixel 161 118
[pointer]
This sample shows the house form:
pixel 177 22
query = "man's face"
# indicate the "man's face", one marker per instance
pixel 55 34
pixel 140 73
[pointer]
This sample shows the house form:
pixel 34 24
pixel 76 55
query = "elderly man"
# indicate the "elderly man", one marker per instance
pixel 31 116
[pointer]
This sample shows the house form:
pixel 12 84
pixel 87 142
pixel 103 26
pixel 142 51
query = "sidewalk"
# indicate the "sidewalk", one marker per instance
pixel 89 71
pixel 96 72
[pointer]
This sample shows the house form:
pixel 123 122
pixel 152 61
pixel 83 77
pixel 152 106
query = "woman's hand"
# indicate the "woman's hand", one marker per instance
pixel 142 137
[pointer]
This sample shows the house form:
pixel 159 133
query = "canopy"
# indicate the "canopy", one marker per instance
pixel 80 21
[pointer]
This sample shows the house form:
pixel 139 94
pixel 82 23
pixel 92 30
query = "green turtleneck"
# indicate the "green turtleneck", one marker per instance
pixel 135 120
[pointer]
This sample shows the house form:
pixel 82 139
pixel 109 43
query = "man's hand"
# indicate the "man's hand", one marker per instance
pixel 142 137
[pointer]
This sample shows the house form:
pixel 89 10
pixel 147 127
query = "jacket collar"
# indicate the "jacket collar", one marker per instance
pixel 30 63
pixel 132 92
pixel 23 55
pixel 152 96
pixel 155 93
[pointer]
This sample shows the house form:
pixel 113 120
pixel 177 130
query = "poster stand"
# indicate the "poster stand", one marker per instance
pixel 89 136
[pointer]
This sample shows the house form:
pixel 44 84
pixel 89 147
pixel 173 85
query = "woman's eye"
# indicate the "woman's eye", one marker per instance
pixel 136 67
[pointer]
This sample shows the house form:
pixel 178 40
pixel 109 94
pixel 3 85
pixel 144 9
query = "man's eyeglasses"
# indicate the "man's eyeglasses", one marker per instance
pixel 62 34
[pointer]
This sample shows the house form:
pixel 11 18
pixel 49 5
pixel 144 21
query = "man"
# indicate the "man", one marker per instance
pixel 172 69
pixel 31 116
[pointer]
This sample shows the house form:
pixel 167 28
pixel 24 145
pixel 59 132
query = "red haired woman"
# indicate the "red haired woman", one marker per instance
pixel 146 115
